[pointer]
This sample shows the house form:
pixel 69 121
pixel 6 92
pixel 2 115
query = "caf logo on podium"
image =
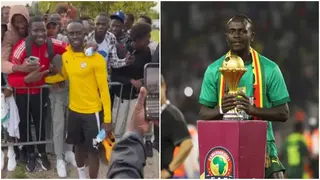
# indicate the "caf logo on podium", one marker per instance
pixel 219 164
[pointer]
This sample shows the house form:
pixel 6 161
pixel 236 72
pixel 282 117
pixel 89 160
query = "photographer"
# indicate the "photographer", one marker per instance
pixel 130 76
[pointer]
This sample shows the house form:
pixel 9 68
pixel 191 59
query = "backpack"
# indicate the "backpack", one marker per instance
pixel 49 44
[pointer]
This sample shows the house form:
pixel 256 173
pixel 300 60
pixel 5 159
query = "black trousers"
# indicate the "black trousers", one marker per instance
pixel 36 107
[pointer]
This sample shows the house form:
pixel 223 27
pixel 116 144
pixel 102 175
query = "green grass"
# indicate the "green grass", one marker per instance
pixel 155 35
pixel 19 173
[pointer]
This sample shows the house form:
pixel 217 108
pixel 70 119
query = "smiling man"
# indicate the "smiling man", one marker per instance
pixel 38 44
pixel 117 27
pixel 85 103
pixel 270 105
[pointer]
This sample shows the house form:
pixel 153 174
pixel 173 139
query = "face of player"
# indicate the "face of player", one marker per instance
pixel 239 36
pixel 76 35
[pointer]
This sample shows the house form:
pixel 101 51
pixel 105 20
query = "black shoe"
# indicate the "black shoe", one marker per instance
pixel 31 164
pixel 44 162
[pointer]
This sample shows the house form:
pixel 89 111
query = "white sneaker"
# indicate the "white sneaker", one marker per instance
pixel 70 158
pixel 61 168
pixel 12 163
pixel 2 160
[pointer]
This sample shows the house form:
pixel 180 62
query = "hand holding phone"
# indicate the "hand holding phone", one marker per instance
pixel 151 80
pixel 33 60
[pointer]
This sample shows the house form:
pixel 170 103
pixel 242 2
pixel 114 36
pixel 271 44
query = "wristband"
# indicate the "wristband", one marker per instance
pixel 220 110
pixel 170 172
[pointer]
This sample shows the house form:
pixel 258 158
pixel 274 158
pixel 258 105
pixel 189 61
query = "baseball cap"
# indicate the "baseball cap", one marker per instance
pixel 52 20
pixel 118 15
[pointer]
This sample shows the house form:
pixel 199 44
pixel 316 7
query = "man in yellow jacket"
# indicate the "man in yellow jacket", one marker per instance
pixel 88 95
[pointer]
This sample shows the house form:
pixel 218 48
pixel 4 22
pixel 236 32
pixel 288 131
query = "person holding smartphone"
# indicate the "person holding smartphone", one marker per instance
pixel 131 76
pixel 28 98
pixel 128 155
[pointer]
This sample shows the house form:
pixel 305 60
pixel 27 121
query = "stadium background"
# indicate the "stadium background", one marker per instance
pixel 192 37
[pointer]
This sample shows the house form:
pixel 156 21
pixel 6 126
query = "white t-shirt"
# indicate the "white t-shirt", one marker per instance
pixel 103 50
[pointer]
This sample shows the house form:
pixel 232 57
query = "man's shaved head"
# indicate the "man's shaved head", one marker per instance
pixel 74 22
pixel 241 18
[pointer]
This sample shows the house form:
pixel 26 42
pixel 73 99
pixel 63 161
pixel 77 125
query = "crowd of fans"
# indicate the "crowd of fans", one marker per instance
pixel 123 42
pixel 286 32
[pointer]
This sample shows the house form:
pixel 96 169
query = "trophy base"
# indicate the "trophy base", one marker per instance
pixel 232 115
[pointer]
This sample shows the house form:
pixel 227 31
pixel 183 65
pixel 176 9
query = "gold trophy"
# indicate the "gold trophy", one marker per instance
pixel 232 70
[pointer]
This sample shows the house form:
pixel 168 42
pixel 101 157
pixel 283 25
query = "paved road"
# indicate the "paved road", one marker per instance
pixel 151 170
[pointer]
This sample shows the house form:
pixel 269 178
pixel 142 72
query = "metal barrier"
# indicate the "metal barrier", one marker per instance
pixel 40 140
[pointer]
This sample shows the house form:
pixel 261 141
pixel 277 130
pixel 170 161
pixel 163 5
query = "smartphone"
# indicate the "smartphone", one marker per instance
pixel 33 60
pixel 151 83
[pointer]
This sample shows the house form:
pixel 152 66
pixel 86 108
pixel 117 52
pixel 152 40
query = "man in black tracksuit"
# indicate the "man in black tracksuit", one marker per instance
pixel 131 76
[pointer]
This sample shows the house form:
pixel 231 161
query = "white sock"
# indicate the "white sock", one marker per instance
pixel 10 151
pixel 11 159
pixel 82 172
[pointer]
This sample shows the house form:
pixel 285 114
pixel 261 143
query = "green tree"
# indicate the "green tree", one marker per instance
pixel 93 8
pixel 153 14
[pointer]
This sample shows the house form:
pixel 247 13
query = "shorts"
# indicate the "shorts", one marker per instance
pixel 275 166
pixel 83 128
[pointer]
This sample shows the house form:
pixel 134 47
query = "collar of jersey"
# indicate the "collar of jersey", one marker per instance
pixel 250 61
pixel 78 54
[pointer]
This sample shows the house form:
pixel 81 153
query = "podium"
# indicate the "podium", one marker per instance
pixel 232 149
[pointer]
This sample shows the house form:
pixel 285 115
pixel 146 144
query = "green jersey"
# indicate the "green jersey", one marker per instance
pixel 293 151
pixel 276 90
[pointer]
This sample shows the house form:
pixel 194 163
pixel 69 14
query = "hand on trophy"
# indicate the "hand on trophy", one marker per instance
pixel 228 102
pixel 243 103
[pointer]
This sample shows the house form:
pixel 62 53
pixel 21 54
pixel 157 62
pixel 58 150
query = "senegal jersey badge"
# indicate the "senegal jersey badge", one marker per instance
pixel 83 65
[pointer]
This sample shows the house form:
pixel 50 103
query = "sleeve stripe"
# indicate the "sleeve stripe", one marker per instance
pixel 19 50
pixel 57 42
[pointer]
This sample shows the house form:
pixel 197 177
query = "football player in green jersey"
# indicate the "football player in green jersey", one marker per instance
pixel 272 95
